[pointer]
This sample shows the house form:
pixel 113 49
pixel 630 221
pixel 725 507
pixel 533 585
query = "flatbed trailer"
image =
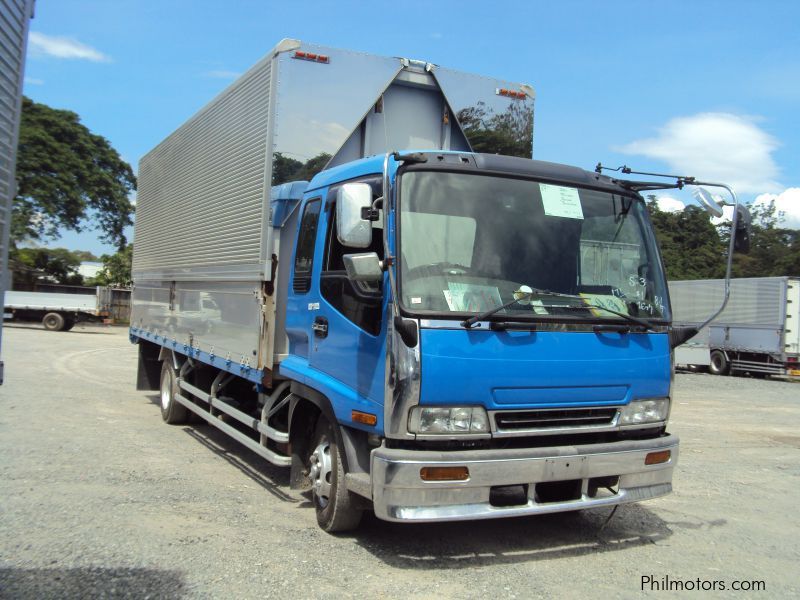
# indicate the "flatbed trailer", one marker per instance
pixel 57 311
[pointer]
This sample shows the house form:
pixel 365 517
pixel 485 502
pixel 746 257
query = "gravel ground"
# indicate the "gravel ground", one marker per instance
pixel 101 499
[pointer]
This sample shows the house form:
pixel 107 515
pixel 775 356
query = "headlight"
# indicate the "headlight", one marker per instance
pixel 448 419
pixel 641 412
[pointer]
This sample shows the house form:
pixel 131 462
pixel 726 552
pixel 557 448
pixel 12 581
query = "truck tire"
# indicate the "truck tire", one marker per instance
pixel 69 323
pixel 719 363
pixel 334 504
pixel 54 321
pixel 172 411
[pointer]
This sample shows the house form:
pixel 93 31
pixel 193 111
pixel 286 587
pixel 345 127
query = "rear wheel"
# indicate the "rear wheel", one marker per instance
pixel 54 321
pixel 172 411
pixel 334 504
pixel 719 363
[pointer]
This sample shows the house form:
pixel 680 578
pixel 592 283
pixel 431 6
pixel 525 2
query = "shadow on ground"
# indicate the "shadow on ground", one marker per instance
pixel 512 540
pixel 89 330
pixel 90 582
pixel 466 544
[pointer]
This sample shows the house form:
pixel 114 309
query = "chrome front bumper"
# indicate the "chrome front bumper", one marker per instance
pixel 399 493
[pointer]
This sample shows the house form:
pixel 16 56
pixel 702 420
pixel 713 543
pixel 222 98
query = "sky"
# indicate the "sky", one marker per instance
pixel 702 88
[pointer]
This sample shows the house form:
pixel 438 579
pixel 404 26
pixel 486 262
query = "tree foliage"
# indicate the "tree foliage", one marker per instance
pixel 66 176
pixel 289 169
pixel 693 248
pixel 34 265
pixel 116 270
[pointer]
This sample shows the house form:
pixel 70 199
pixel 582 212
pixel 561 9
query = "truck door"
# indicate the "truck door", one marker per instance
pixel 348 332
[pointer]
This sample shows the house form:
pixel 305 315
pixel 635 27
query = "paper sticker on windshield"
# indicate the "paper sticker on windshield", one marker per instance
pixel 467 297
pixel 612 302
pixel 560 201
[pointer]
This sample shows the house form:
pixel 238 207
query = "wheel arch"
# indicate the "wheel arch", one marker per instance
pixel 306 406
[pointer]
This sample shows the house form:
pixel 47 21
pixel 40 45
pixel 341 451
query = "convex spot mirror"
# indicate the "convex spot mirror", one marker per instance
pixel 704 197
pixel 352 229
pixel 741 233
pixel 365 266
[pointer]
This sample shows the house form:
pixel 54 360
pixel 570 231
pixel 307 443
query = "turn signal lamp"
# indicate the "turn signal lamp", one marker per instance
pixel 444 473
pixel 657 458
pixel 364 418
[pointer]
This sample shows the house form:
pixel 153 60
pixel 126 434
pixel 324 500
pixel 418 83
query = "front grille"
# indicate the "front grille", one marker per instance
pixel 554 418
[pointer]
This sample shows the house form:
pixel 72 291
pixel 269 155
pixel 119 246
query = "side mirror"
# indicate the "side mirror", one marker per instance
pixel 742 230
pixel 365 266
pixel 352 229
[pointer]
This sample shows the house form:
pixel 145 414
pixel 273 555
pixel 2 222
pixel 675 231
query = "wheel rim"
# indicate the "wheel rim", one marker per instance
pixel 321 472
pixel 50 322
pixel 166 390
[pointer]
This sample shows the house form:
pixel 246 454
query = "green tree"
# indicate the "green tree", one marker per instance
pixel 66 176
pixel 774 250
pixel 116 268
pixel 33 265
pixel 288 169
pixel 690 245
pixel 85 256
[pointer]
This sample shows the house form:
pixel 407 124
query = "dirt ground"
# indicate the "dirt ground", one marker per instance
pixel 99 498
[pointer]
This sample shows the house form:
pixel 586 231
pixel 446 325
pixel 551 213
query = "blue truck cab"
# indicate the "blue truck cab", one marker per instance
pixel 552 403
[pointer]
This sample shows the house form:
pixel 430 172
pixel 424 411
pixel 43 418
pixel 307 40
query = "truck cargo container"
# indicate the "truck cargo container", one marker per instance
pixel 427 328
pixel 758 332
pixel 16 17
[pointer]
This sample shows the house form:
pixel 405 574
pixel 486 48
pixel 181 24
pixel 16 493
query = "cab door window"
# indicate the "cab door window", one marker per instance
pixel 359 303
pixel 306 240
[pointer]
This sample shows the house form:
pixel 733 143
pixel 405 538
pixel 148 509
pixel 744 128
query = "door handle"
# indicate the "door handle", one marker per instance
pixel 320 327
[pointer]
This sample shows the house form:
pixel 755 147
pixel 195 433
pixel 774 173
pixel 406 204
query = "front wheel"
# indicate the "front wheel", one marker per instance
pixel 719 363
pixel 334 504
pixel 172 411
pixel 54 321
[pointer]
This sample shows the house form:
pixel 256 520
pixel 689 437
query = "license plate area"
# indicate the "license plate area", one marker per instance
pixel 562 468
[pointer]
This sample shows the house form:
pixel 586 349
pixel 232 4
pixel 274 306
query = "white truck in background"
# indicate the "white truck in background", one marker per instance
pixel 57 311
pixel 758 332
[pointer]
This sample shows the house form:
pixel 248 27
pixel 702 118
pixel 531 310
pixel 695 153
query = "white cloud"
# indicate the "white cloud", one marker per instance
pixel 722 147
pixel 33 81
pixel 787 205
pixel 669 204
pixel 222 74
pixel 63 47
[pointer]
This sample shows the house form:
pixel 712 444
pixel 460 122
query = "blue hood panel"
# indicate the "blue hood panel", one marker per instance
pixel 520 369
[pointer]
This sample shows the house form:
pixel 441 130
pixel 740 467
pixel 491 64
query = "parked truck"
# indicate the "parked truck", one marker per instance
pixel 426 328
pixel 58 311
pixel 758 332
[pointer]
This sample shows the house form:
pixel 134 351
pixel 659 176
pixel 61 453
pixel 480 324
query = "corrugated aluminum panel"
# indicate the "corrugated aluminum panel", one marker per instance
pixel 201 190
pixel 753 301
pixel 14 18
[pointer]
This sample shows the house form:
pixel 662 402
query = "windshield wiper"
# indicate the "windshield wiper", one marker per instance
pixel 523 292
pixel 526 291
pixel 641 322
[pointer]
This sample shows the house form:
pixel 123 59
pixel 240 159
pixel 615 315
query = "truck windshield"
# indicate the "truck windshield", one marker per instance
pixel 468 242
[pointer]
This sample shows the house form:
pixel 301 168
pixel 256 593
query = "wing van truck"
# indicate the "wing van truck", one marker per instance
pixel 351 265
